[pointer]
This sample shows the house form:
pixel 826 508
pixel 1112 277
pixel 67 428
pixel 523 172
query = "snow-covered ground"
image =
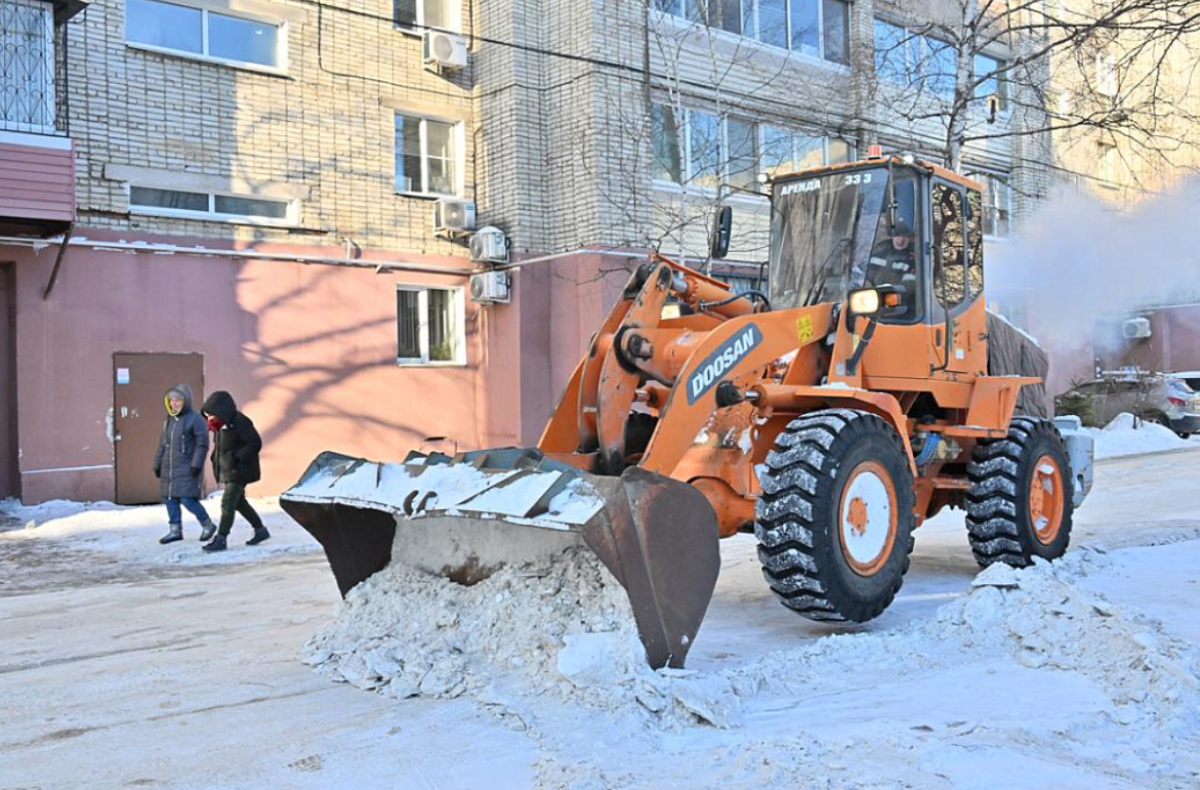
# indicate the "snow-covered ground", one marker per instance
pixel 1081 674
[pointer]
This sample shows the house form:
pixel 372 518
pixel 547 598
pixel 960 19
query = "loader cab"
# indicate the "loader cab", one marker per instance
pixel 907 227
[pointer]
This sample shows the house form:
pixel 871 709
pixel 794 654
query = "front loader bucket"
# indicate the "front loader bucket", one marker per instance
pixel 468 517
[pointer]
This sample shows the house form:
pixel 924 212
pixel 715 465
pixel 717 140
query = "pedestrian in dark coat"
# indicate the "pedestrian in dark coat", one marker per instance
pixel 236 445
pixel 179 464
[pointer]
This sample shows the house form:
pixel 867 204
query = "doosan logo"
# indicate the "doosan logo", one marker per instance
pixel 721 361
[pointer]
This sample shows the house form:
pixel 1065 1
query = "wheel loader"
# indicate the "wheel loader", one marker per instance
pixel 830 416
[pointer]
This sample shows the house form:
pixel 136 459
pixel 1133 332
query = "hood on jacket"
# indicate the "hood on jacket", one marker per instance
pixel 220 404
pixel 183 390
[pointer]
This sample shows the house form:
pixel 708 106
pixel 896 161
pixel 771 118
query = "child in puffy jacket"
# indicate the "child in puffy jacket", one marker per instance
pixel 236 445
pixel 179 464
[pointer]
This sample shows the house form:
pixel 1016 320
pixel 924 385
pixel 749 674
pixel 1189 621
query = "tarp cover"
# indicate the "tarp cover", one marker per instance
pixel 1011 352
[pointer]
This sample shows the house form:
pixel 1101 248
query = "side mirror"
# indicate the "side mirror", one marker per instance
pixel 722 230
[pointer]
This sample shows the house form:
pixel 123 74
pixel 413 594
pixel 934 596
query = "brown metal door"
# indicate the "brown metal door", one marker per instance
pixel 10 476
pixel 139 383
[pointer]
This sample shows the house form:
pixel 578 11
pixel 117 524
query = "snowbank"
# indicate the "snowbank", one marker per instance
pixel 548 647
pixel 133 532
pixel 1120 437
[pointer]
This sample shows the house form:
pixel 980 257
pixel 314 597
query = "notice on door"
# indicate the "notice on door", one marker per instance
pixel 122 375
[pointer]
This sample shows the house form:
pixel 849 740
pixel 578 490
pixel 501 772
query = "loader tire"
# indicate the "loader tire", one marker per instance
pixel 1019 505
pixel 835 519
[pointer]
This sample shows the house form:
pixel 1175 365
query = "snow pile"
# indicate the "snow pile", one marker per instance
pixel 560 630
pixel 1126 435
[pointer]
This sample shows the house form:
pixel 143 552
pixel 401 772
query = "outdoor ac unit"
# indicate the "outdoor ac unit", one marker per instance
pixel 489 287
pixel 489 245
pixel 442 50
pixel 1136 328
pixel 453 217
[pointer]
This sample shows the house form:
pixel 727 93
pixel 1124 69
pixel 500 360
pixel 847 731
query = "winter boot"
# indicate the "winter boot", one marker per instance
pixel 217 544
pixel 207 530
pixel 175 534
pixel 260 534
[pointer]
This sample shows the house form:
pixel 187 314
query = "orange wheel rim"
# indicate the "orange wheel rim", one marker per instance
pixel 1046 499
pixel 867 518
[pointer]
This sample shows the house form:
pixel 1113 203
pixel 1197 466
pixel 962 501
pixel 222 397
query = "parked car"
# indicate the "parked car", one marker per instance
pixel 1189 377
pixel 1168 400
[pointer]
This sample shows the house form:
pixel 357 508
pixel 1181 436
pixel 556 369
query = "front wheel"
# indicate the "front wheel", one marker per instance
pixel 1020 503
pixel 835 519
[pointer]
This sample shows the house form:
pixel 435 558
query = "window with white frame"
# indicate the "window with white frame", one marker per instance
pixel 428 156
pixel 430 326
pixel 996 203
pixel 1106 74
pixel 990 72
pixel 817 28
pixel 211 206
pixel 703 150
pixel 914 60
pixel 26 66
pixel 421 14
pixel 201 33
pixel 1107 164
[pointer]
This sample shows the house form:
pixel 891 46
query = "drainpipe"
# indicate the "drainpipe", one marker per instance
pixel 58 259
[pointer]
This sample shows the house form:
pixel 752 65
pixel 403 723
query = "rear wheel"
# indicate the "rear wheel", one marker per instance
pixel 1020 505
pixel 835 520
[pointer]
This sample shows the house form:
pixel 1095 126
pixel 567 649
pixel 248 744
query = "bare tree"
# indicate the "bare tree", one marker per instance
pixel 985 71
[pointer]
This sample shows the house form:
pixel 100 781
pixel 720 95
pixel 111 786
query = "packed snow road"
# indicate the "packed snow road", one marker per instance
pixel 127 664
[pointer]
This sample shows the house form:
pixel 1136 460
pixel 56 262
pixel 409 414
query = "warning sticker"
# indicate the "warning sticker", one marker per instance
pixel 804 328
pixel 122 375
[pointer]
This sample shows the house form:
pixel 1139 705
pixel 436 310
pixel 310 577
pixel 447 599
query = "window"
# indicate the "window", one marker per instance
pixel 1107 163
pixel 1106 74
pixel 429 326
pixel 914 60
pixel 948 245
pixel 994 84
pixel 996 203
pixel 428 156
pixel 735 149
pixel 421 14
pixel 202 33
pixel 786 151
pixel 26 66
pixel 817 28
pixel 205 205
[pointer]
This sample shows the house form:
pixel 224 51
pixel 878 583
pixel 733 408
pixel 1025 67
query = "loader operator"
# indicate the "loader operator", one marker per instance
pixel 893 261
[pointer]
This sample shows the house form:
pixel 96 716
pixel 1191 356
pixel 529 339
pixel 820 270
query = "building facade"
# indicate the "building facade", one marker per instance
pixel 247 194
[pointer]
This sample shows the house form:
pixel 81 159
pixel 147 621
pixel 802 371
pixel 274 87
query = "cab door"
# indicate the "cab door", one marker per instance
pixel 956 284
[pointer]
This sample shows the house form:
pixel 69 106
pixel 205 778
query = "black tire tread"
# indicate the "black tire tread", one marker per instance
pixel 795 467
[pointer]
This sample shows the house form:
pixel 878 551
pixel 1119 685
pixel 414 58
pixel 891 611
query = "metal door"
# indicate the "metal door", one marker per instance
pixel 10 476
pixel 139 383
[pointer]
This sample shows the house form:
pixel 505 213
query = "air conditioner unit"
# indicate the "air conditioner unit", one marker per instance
pixel 490 287
pixel 1136 328
pixel 453 217
pixel 442 50
pixel 489 245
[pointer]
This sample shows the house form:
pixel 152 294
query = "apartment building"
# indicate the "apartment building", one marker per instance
pixel 272 196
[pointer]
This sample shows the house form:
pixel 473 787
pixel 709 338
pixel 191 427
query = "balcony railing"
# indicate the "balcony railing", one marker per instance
pixel 33 67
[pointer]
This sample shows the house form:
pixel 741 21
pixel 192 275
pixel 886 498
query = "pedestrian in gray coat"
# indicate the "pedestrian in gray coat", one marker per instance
pixel 179 463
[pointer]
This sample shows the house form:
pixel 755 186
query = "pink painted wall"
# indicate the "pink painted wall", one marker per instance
pixel 307 351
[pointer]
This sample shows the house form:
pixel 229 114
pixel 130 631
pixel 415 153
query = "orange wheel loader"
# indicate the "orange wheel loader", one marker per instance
pixel 830 416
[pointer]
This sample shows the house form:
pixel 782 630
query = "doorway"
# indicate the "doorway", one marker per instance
pixel 139 383
pixel 10 472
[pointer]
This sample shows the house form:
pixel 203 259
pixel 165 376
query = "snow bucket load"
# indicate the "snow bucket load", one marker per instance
pixel 466 517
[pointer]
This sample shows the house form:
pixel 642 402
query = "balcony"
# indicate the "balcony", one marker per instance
pixel 37 163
